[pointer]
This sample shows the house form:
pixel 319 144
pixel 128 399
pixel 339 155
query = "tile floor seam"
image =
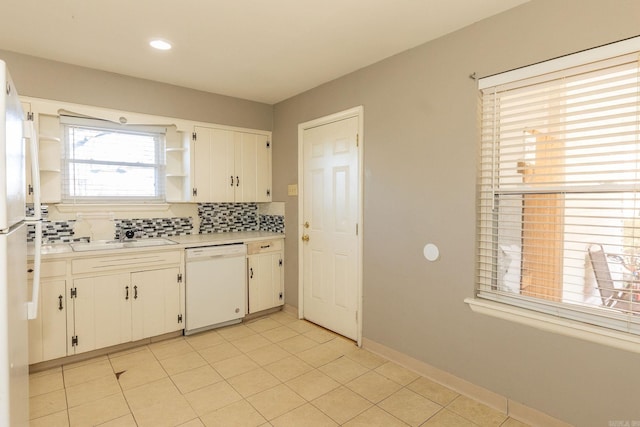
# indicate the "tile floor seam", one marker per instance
pixel 114 373
pixel 394 416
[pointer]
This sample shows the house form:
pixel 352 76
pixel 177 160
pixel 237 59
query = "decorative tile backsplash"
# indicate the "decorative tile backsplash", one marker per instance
pixel 226 217
pixel 154 227
pixel 274 223
pixel 214 218
pixel 55 232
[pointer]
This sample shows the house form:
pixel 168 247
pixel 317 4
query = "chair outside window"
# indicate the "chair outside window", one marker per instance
pixel 613 297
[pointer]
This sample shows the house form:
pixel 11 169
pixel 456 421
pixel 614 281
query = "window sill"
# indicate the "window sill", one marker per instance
pixel 138 207
pixel 556 325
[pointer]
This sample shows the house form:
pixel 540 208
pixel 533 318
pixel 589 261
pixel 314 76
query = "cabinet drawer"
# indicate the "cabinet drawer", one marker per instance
pixel 127 261
pixel 264 246
pixel 49 269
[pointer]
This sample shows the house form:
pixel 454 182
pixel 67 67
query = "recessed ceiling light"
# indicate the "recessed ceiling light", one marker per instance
pixel 160 44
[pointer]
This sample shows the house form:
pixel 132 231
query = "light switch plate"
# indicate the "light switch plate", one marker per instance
pixel 292 189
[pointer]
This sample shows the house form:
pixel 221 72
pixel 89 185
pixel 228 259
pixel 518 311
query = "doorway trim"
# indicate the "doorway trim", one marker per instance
pixel 351 112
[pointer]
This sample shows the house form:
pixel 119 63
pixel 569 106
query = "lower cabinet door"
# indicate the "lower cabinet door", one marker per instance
pixel 156 303
pixel 265 281
pixel 48 332
pixel 102 312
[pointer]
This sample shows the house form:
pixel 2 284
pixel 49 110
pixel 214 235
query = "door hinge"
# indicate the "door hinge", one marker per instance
pixel 357 139
pixel 268 144
pixel 30 189
pixel 280 262
pixel 74 341
pixel 356 229
pixel 179 277
pixel 194 136
pixel 356 316
pixel 194 192
pixel 74 292
pixel 30 116
pixel 179 318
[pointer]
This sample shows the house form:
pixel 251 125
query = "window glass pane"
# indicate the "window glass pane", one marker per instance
pixel 111 146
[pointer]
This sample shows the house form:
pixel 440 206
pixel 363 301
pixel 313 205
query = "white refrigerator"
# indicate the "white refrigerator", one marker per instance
pixel 15 307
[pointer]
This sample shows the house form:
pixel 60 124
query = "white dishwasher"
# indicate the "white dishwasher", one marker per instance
pixel 215 286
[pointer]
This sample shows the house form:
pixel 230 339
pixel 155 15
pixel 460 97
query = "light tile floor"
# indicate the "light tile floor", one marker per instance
pixel 273 371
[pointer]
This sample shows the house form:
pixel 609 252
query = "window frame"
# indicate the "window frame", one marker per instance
pixel 586 322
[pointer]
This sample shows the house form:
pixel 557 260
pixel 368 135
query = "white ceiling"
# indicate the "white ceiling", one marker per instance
pixel 262 50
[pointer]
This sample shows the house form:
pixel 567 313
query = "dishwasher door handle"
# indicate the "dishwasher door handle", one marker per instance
pixel 210 257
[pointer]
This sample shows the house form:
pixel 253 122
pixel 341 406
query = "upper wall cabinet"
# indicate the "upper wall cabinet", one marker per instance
pixel 204 162
pixel 230 166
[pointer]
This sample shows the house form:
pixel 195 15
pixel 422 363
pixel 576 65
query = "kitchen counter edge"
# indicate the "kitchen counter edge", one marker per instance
pixel 63 250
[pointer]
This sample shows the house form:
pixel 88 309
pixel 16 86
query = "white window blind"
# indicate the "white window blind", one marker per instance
pixel 108 162
pixel 559 188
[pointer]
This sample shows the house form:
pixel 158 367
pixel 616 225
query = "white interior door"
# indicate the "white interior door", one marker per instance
pixel 330 217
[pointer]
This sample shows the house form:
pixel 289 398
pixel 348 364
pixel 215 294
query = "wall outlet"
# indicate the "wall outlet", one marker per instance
pixel 292 190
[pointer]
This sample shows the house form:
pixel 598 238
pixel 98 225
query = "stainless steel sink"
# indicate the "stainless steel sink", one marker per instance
pixel 101 245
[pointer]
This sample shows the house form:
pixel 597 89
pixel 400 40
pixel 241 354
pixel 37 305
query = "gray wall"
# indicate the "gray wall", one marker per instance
pixel 420 153
pixel 41 78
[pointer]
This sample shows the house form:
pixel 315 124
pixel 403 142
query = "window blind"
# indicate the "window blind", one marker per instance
pixel 109 162
pixel 559 188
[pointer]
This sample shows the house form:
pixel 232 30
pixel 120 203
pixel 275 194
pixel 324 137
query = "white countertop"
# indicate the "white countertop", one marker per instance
pixel 64 250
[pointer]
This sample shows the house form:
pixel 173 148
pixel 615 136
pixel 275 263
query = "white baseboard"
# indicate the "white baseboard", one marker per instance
pixel 513 409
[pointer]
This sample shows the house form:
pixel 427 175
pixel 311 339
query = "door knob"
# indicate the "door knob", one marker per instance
pixel 305 238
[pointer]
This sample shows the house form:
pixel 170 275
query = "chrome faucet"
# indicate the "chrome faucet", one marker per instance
pixel 129 234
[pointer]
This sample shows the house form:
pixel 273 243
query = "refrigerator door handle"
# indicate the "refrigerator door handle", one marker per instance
pixel 32 306
pixel 29 132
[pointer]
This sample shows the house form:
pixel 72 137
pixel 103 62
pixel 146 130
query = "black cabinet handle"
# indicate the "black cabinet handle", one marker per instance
pixel 232 180
pixel 135 292
pixel 126 297
pixel 237 181
pixel 60 303
pixel 251 273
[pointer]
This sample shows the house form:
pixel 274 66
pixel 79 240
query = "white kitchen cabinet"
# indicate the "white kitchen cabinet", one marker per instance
pixel 127 298
pixel 155 307
pixel 252 164
pixel 265 275
pixel 101 312
pixel 230 166
pixel 48 331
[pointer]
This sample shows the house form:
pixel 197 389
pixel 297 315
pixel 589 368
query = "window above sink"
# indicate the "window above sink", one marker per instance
pixel 107 162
